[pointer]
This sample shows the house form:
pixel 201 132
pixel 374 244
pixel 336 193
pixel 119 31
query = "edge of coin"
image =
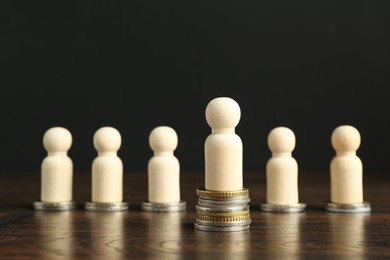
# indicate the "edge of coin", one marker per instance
pixel 222 194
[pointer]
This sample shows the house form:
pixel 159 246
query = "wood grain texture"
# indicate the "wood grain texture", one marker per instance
pixel 29 234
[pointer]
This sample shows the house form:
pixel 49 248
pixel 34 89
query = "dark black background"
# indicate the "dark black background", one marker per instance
pixel 134 65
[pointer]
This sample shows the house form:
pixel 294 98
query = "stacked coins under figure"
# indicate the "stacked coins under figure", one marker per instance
pixel 223 211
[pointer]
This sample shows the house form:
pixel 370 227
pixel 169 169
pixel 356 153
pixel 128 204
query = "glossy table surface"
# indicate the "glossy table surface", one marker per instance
pixel 29 234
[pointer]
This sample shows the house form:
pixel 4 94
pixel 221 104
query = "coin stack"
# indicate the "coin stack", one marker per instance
pixel 223 210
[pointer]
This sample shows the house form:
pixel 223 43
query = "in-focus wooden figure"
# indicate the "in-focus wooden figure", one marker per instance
pixel 107 173
pixel 223 147
pixel 346 173
pixel 282 173
pixel 56 172
pixel 163 173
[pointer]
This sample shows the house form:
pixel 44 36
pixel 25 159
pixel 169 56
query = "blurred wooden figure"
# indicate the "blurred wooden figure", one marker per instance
pixel 163 173
pixel 107 173
pixel 282 173
pixel 346 173
pixel 56 172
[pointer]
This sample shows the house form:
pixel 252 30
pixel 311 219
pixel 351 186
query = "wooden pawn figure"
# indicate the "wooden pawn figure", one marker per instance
pixel 107 172
pixel 163 172
pixel 223 148
pixel 56 171
pixel 346 172
pixel 282 173
pixel 163 167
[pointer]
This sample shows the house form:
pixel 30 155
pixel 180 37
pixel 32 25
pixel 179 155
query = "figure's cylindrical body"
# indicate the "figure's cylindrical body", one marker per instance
pixel 346 176
pixel 282 181
pixel 164 179
pixel 56 179
pixel 107 179
pixel 223 162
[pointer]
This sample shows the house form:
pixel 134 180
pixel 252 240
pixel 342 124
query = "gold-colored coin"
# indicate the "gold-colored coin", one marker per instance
pixel 224 219
pixel 222 194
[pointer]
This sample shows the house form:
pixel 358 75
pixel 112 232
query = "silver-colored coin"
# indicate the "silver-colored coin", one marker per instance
pixel 222 209
pixel 222 206
pixel 364 207
pixel 223 224
pixel 54 206
pixel 223 202
pixel 291 208
pixel 164 207
pixel 225 208
pixel 115 206
pixel 221 229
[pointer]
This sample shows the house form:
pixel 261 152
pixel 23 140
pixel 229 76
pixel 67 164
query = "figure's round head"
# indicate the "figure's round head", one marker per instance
pixel 163 138
pixel 57 139
pixel 107 139
pixel 281 140
pixel 223 112
pixel 345 138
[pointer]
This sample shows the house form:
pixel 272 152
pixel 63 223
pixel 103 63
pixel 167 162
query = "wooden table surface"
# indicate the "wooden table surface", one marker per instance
pixel 29 234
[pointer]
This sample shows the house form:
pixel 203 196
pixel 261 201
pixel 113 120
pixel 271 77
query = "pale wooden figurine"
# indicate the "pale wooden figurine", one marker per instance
pixel 163 167
pixel 282 168
pixel 57 167
pixel 107 168
pixel 223 148
pixel 346 169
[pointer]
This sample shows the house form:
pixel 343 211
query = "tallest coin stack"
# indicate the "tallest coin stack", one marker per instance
pixel 223 210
